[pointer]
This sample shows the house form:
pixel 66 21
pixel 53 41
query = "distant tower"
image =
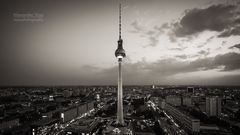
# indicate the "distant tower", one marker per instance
pixel 190 90
pixel 120 54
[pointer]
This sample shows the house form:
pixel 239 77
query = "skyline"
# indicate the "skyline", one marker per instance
pixel 167 42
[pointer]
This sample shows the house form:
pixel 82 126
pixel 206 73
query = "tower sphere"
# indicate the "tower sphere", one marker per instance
pixel 120 51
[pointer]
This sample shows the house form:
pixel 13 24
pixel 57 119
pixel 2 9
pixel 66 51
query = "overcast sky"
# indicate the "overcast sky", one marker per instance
pixel 166 42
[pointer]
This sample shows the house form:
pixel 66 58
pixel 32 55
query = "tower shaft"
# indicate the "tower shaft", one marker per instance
pixel 120 120
pixel 120 54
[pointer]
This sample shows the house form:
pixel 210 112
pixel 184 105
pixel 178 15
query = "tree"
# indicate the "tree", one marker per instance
pixel 237 115
pixel 157 128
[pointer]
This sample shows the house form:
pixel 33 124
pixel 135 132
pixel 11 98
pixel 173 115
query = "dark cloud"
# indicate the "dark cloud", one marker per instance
pixel 204 52
pixel 165 67
pixel 136 27
pixel 152 35
pixel 200 46
pixel 180 48
pixel 209 39
pixel 176 49
pixel 222 80
pixel 231 31
pixel 206 42
pixel 141 72
pixel 219 48
pixel 214 18
pixel 235 46
pixel 183 56
pixel 162 28
pixel 172 38
pixel 225 80
pixel 151 32
pixel 230 61
pixel 153 41
pixel 224 43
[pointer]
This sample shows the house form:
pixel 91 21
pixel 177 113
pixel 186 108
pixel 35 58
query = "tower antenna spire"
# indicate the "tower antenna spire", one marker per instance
pixel 120 20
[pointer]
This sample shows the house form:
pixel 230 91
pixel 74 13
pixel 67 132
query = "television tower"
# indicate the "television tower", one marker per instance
pixel 120 54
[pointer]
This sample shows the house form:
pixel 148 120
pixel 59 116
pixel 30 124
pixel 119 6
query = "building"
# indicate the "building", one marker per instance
pixel 141 128
pixel 174 100
pixel 87 126
pixel 208 129
pixel 196 99
pixel 69 114
pixel 9 123
pixel 161 103
pixel 187 101
pixel 190 124
pixel 90 106
pixel 213 106
pixel 44 126
pixel 154 99
pixel 75 111
pixel 51 114
pixel 67 93
pixel 82 108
